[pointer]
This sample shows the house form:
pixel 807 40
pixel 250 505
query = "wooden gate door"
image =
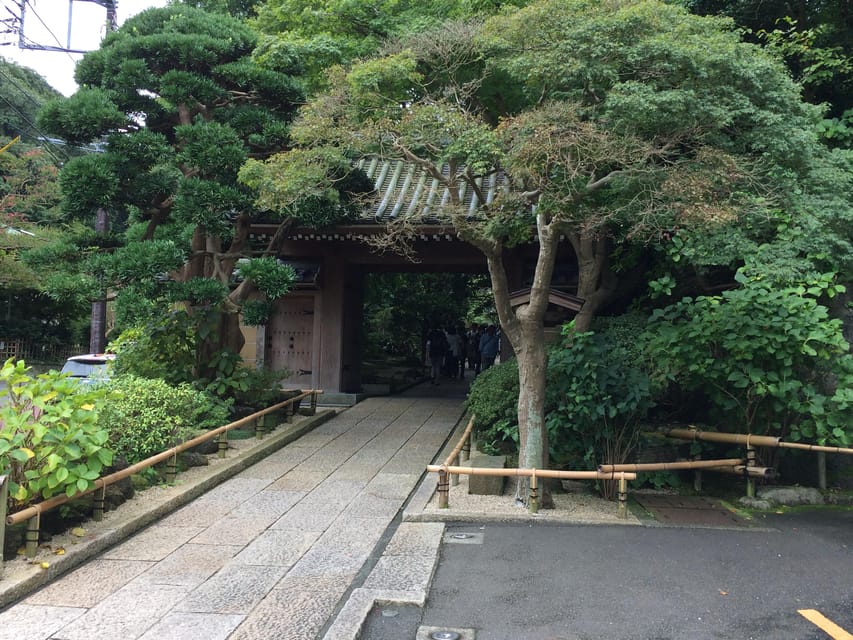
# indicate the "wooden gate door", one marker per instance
pixel 290 340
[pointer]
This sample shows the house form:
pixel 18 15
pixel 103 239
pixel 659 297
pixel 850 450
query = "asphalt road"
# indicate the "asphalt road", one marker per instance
pixel 546 582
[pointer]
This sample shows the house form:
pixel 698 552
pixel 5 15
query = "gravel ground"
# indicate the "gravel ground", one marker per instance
pixel 575 503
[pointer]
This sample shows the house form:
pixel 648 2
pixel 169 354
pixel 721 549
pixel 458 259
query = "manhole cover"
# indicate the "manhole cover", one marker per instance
pixel 461 536
pixel 444 635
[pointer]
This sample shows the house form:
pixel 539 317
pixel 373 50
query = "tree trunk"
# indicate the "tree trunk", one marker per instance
pixel 596 282
pixel 98 325
pixel 524 327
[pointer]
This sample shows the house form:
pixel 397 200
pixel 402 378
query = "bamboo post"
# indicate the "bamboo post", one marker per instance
pixel 454 477
pixel 313 403
pixel 443 490
pixel 533 506
pixel 172 468
pixel 750 462
pixel 821 469
pixel 623 497
pixel 288 413
pixel 223 444
pixel 32 536
pixel 697 476
pixel 472 441
pixel 466 450
pixel 98 504
pixel 4 498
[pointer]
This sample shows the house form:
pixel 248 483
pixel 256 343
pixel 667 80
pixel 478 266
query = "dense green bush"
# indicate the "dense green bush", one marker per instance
pixel 493 399
pixel 151 416
pixel 596 394
pixel 51 441
pixel 768 361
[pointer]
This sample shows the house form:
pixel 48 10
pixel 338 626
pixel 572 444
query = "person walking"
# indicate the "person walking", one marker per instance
pixel 454 352
pixel 489 345
pixel 436 347
pixel 473 348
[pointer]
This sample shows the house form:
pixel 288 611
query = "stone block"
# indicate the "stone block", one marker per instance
pixel 487 485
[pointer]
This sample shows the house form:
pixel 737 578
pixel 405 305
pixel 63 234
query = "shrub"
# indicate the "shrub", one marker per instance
pixel 597 395
pixel 769 361
pixel 152 416
pixel 50 438
pixel 493 399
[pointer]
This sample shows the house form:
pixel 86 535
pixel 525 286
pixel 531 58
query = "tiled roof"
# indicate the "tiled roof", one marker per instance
pixel 406 190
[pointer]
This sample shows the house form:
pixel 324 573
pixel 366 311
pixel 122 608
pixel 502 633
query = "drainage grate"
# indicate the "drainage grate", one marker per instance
pixel 445 633
pixel 463 537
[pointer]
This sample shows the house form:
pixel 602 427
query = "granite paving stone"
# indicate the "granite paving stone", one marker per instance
pixel 268 503
pixel 233 492
pixel 369 506
pixel 302 480
pixel 195 514
pixel 232 530
pixel 280 548
pixel 154 543
pixel 392 486
pixel 295 611
pixel 318 562
pixel 334 491
pixel 190 565
pixel 308 516
pixel 236 588
pixel 403 573
pixel 35 622
pixel 86 586
pixel 353 534
pixel 182 626
pixel 416 539
pixel 124 615
pixel 278 464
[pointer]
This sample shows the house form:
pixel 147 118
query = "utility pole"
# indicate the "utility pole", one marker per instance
pixel 98 322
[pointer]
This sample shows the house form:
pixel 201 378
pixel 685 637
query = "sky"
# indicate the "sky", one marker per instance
pixel 46 23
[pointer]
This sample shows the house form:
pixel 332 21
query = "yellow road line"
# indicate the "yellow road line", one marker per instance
pixel 825 624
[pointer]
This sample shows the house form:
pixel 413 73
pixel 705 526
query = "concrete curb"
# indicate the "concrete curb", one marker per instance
pixel 29 576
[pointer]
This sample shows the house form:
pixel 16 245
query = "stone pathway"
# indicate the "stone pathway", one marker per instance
pixel 270 553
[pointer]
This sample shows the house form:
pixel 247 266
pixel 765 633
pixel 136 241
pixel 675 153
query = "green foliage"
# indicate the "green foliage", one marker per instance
pixel 23 91
pixel 256 312
pixel 769 361
pixel 493 399
pixel 271 277
pixel 50 438
pixel 164 348
pixel 151 416
pixel 83 117
pixel 598 392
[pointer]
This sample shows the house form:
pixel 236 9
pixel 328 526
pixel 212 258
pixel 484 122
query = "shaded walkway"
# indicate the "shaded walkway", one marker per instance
pixel 267 554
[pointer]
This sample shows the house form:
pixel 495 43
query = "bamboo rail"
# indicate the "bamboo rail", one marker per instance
pixel 747 439
pixel 454 471
pixel 33 513
pixel 671 466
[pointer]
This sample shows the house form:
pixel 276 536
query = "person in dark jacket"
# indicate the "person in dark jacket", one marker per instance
pixel 436 347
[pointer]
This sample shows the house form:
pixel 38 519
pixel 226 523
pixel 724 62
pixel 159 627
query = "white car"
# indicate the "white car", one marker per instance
pixel 89 368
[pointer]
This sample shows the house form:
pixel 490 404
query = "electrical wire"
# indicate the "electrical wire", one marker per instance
pixel 44 24
pixel 50 148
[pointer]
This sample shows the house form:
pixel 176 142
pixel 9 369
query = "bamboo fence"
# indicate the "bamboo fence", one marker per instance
pixel 32 514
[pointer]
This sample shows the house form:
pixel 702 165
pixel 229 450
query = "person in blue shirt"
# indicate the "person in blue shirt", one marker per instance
pixel 489 346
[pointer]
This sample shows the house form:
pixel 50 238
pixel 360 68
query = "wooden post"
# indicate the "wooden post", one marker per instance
pixel 750 462
pixel 259 428
pixel 32 537
pixel 443 490
pixel 623 497
pixel 4 497
pixel 98 504
pixel 697 477
pixel 223 444
pixel 172 469
pixel 466 449
pixel 314 403
pixel 288 413
pixel 533 505
pixel 821 469
pixel 454 477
